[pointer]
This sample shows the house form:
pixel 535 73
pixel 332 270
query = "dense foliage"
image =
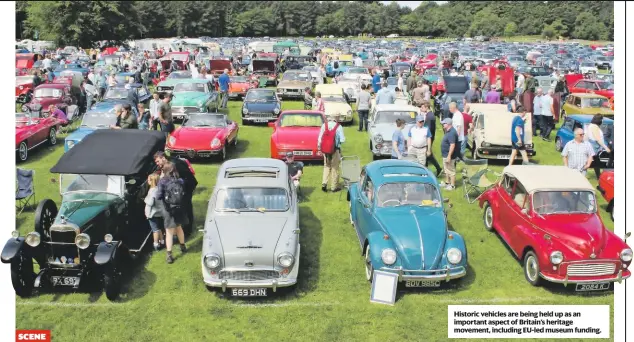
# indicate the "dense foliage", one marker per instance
pixel 81 22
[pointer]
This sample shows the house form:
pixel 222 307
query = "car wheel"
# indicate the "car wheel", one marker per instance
pixel 52 136
pixel 23 151
pixel 487 217
pixel 112 282
pixel 531 268
pixel 223 153
pixel 369 269
pixel 245 122
pixel 22 276
pixel 612 210
pixel 558 144
pixel 563 114
pixel 235 140
pixel 44 217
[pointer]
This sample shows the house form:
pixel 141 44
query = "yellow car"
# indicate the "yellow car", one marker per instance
pixel 580 103
pixel 335 102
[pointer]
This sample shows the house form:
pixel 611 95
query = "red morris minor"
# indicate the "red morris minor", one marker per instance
pixel 547 215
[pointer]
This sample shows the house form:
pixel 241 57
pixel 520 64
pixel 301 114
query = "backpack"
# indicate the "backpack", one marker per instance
pixel 328 139
pixel 173 197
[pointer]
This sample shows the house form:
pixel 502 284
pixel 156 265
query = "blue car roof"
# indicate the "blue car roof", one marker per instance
pixel 587 118
pixel 389 171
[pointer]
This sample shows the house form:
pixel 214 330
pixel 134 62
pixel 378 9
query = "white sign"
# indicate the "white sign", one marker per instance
pixel 529 321
pixel 384 288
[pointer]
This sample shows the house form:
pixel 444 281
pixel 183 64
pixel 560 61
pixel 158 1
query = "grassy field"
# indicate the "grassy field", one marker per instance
pixel 331 301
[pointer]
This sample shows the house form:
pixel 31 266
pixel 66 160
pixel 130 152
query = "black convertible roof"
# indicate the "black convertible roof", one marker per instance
pixel 112 152
pixel 456 84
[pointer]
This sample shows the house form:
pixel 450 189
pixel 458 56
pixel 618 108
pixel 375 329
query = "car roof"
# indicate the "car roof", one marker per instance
pixel 277 170
pixel 190 80
pixel 396 107
pixel 389 171
pixel 586 118
pixel 112 152
pixel 487 107
pixel 549 177
pixel 588 96
pixel 301 111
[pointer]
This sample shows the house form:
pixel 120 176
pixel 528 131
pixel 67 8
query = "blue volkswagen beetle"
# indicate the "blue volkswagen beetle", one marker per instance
pixel 399 216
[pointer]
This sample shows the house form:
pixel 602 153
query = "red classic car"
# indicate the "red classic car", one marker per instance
pixel 551 224
pixel 59 94
pixel 606 187
pixel 218 66
pixel 604 88
pixel 32 131
pixel 297 131
pixel 24 62
pixel 24 88
pixel 240 85
pixel 203 135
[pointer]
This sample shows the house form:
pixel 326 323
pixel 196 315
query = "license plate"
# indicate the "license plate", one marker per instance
pixel 593 287
pixel 303 153
pixel 504 156
pixel 65 281
pixel 249 292
pixel 260 120
pixel 422 283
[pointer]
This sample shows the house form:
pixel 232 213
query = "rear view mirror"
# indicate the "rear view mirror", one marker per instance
pixel 627 235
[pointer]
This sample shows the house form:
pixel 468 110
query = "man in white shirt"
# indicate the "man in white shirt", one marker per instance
pixel 46 62
pixel 537 112
pixel 91 94
pixel 155 103
pixel 548 110
pixel 419 140
pixel 358 62
pixel 519 85
pixel 458 123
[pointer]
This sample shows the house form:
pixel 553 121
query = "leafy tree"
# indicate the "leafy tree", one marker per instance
pixel 510 29
pixel 587 27
pixel 548 32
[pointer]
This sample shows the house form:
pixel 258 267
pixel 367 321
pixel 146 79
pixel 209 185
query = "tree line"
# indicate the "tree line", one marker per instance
pixel 83 22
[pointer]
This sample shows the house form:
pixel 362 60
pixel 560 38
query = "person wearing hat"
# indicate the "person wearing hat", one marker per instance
pixel 385 96
pixel 165 115
pixel 450 150
pixel 419 141
pixel 295 169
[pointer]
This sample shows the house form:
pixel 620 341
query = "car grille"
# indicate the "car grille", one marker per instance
pixel 192 153
pixel 262 115
pixel 291 91
pixel 587 270
pixel 63 245
pixel 249 275
pixel 184 110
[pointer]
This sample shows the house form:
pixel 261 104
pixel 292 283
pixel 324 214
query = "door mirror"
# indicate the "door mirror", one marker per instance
pixel 131 182
pixel 627 235
pixel 525 211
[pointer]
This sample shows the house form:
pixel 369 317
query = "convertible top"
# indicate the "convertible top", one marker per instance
pixel 112 152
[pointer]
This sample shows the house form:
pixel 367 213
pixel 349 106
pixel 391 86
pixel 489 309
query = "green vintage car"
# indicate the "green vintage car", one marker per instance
pixel 190 96
pixel 100 227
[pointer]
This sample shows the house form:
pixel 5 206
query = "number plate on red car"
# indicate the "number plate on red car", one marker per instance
pixel 593 287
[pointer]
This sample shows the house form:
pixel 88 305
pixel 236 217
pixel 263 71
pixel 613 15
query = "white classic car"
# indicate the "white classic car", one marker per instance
pixel 382 124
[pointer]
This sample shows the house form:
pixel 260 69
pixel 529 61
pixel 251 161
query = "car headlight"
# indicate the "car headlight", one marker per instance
pixel 485 144
pixel 276 110
pixel 82 241
pixel 70 143
pixel 454 255
pixel 349 113
pixel 200 103
pixel 245 110
pixel 15 234
pixel 107 238
pixel 378 138
pixel 626 255
pixel 388 256
pixel 556 257
pixel 212 261
pixel 172 140
pixel 32 239
pixel 21 87
pixel 285 259
pixel 215 143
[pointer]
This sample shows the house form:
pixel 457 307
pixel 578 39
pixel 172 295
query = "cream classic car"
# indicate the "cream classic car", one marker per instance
pixel 491 133
pixel 293 84
pixel 382 124
pixel 335 102
pixel 351 85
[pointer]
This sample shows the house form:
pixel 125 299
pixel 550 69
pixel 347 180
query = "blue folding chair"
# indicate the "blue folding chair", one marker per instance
pixel 25 192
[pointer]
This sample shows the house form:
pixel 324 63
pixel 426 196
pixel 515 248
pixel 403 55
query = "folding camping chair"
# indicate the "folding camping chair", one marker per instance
pixel 70 125
pixel 350 170
pixel 263 81
pixel 475 178
pixel 25 191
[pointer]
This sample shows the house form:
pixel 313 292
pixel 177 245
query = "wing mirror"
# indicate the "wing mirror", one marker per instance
pixel 525 211
pixel 627 235
pixel 131 182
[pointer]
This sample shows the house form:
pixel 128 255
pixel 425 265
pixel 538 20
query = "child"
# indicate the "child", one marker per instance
pixel 153 210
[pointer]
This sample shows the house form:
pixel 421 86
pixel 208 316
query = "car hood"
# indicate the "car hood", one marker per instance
pixel 583 234
pixel 196 138
pixel 44 102
pixel 80 213
pixel 603 111
pixel 80 133
pixel 188 98
pixel 336 108
pixel 242 240
pixel 260 106
pixel 297 136
pixel 418 235
pixel 295 84
pixel 219 64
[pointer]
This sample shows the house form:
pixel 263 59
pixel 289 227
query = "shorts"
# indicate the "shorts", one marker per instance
pixel 156 223
pixel 519 147
pixel 449 167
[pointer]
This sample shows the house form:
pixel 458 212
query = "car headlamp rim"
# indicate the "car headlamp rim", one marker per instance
pixel 388 256
pixel 15 234
pixel 626 255
pixel 285 259
pixel 378 138
pixel 556 257
pixel 108 238
pixel 212 261
pixel 82 241
pixel 33 239
pixel 245 110
pixel 215 143
pixel 454 255
pixel 172 140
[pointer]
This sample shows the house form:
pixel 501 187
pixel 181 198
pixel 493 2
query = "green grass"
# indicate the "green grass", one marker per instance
pixel 331 301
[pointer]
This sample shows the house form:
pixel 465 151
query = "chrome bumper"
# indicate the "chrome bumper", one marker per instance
pixel 446 274
pixel 271 284
pixel 619 278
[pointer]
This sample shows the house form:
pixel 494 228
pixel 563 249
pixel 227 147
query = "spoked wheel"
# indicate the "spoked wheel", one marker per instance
pixel 23 151
pixel 52 136
pixel 487 216
pixel 558 144
pixel 44 217
pixel 22 276
pixel 369 269
pixel 112 281
pixel 531 268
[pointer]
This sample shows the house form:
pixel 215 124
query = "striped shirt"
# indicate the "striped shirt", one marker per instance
pixel 578 154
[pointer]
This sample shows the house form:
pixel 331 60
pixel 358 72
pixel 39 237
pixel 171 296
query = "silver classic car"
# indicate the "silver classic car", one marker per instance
pixel 251 236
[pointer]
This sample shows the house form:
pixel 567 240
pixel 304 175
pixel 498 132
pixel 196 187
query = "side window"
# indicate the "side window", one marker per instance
pixel 593 86
pixel 568 124
pixel 520 196
pixel 507 183
pixel 362 177
pixel 368 189
pixel 577 102
pixel 576 125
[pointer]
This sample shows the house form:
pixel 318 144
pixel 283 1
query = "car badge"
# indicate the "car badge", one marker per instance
pixel 57 260
pixel 76 260
pixel 592 256
pixel 63 260
pixel 248 263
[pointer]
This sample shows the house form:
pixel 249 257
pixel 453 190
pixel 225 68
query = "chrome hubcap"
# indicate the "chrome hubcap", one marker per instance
pixel 53 136
pixel 489 217
pixel 531 268
pixel 23 151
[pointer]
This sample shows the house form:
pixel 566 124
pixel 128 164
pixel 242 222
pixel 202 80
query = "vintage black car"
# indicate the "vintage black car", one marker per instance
pixel 100 226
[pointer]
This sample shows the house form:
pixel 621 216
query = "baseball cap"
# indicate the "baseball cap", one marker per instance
pixel 289 154
pixel 420 118
pixel 446 121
